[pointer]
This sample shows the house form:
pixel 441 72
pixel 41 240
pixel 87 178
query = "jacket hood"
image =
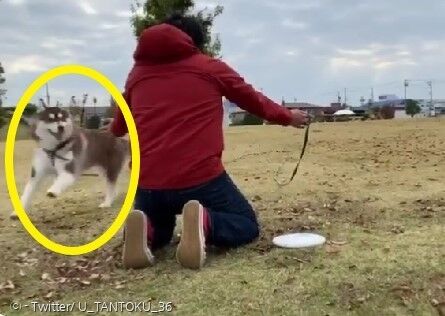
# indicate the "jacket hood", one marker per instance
pixel 163 43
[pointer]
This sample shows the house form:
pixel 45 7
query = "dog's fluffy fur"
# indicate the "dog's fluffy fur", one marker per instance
pixel 69 151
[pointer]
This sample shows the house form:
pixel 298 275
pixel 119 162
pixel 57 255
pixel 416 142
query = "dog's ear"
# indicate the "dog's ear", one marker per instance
pixel 43 103
pixel 29 121
pixel 68 114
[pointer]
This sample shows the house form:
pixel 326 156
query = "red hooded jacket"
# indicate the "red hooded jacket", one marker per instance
pixel 175 95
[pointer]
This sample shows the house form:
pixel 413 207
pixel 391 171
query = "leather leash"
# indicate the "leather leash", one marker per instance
pixel 303 150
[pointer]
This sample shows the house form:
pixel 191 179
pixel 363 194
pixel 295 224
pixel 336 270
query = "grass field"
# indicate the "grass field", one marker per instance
pixel 375 189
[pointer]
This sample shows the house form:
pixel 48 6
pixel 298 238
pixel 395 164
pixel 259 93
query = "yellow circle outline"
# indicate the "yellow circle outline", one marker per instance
pixel 9 161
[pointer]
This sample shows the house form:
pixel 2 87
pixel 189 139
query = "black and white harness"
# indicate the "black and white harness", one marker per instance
pixel 53 154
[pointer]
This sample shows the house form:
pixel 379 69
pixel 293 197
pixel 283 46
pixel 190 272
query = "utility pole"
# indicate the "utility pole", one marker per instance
pixel 430 85
pixel 47 96
pixel 406 86
pixel 95 103
pixel 84 102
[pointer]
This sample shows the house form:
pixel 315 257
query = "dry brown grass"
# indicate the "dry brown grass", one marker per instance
pixel 375 189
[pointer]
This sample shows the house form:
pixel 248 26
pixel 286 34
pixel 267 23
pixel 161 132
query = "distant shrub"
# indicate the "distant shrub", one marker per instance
pixel 93 122
pixel 384 113
pixel 2 121
pixel 250 119
pixel 30 110
pixel 387 112
pixel 3 117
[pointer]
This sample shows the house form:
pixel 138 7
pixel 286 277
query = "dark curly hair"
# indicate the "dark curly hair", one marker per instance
pixel 190 25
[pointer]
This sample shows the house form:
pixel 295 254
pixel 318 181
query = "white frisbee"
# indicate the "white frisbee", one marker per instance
pixel 299 240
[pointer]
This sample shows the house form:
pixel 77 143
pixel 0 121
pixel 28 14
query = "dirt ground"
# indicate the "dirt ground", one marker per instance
pixel 374 189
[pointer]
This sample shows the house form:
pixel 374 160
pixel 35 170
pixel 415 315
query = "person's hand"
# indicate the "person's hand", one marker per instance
pixel 300 119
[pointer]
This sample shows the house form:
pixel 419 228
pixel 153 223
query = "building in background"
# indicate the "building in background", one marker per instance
pixel 232 113
pixel 398 104
pixel 237 115
pixel 439 107
pixel 313 109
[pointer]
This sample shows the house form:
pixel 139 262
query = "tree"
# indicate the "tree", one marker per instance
pixel 30 110
pixel 155 11
pixel 412 107
pixel 93 122
pixel 3 117
pixel 251 119
pixel 2 81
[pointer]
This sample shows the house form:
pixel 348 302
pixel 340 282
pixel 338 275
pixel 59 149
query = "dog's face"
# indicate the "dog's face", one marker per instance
pixel 54 122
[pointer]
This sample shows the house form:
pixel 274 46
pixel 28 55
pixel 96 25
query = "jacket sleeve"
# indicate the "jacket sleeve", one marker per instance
pixel 236 90
pixel 119 127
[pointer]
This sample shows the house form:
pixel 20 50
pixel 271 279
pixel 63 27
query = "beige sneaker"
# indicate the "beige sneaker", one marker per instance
pixel 191 249
pixel 136 254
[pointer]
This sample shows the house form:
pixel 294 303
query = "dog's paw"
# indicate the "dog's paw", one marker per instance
pixel 51 194
pixel 13 216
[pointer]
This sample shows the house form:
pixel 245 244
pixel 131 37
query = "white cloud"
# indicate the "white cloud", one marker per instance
pixel 301 5
pixel 16 2
pixel 376 55
pixel 110 26
pixel 235 59
pixel 315 40
pixel 68 53
pixel 337 63
pixel 123 14
pixel 430 46
pixel 356 52
pixel 87 8
pixel 248 32
pixel 28 64
pixel 292 53
pixel 403 53
pixel 254 41
pixel 289 36
pixel 294 25
pixel 57 43
pixel 383 65
pixel 204 4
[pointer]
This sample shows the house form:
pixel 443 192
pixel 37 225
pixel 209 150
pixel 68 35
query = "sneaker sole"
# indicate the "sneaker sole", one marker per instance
pixel 191 249
pixel 136 254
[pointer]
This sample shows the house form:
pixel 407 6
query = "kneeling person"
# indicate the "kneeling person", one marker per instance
pixel 175 94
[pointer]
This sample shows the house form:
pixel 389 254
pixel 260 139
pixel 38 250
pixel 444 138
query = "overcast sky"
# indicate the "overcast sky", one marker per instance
pixel 305 49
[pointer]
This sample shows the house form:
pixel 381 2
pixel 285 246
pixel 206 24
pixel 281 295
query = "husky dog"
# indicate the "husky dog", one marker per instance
pixel 69 151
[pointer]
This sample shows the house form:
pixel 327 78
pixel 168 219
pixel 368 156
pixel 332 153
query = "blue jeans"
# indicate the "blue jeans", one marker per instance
pixel 233 222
